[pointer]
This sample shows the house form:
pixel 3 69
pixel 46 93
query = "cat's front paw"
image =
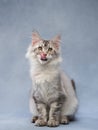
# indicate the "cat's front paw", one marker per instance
pixel 34 119
pixel 53 123
pixel 40 122
pixel 64 120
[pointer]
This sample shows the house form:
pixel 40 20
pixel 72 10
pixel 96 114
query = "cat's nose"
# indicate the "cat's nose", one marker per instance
pixel 43 55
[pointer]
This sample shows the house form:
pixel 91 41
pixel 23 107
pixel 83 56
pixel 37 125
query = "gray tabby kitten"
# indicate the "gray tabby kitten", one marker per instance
pixel 53 99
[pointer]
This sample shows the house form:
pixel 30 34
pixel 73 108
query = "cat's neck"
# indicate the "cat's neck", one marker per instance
pixel 54 65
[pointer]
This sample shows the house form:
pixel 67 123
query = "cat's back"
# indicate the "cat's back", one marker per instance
pixel 67 84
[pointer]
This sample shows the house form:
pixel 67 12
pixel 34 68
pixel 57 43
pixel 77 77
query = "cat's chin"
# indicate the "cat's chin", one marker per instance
pixel 43 61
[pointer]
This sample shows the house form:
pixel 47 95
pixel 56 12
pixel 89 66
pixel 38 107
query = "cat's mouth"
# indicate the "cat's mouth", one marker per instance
pixel 44 59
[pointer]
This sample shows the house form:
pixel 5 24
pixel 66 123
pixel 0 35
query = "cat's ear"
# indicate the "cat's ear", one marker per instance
pixel 56 40
pixel 35 37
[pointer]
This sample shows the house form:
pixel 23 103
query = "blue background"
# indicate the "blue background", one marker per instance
pixel 77 22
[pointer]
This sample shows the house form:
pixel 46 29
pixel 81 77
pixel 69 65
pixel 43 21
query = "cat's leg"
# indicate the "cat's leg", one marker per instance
pixel 42 118
pixel 64 119
pixel 71 103
pixel 34 119
pixel 33 110
pixel 54 114
pixel 68 110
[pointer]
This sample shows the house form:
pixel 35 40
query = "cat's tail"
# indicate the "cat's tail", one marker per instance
pixel 73 84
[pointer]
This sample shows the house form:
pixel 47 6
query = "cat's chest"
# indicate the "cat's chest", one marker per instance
pixel 44 91
pixel 46 85
pixel 43 77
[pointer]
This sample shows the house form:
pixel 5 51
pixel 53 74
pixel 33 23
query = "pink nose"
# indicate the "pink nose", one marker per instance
pixel 43 55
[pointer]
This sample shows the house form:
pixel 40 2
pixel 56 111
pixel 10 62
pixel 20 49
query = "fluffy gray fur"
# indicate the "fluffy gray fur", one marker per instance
pixel 53 99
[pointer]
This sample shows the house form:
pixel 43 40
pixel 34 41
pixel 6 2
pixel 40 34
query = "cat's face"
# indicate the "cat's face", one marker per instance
pixel 45 50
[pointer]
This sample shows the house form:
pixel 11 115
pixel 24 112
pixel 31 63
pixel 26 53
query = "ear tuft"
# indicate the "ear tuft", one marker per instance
pixel 56 40
pixel 35 37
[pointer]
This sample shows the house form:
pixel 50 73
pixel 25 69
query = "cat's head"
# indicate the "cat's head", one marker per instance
pixel 44 51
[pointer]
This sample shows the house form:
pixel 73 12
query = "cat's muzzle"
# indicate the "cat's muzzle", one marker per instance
pixel 44 59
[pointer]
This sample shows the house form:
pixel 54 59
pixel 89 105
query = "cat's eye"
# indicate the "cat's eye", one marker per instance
pixel 50 49
pixel 40 48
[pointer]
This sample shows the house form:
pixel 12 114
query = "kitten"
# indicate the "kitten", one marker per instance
pixel 53 99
